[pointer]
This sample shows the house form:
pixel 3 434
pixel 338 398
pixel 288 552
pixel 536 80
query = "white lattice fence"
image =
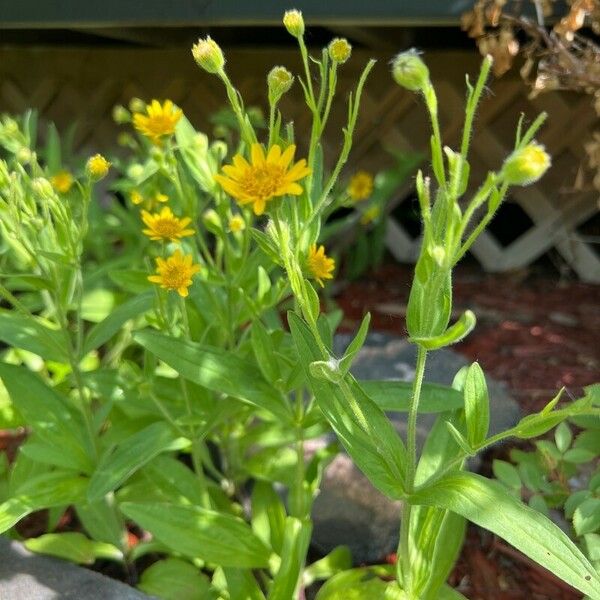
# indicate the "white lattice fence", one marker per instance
pixel 83 85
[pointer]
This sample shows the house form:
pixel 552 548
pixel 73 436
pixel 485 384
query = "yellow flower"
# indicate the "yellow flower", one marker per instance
pixel 97 167
pixel 175 273
pixel 236 223
pixel 526 165
pixel 319 264
pixel 360 186
pixel 339 50
pixel 62 181
pixel 159 120
pixel 266 178
pixel 136 198
pixel 160 197
pixel 165 225
pixel 370 215
pixel 208 55
pixel 294 23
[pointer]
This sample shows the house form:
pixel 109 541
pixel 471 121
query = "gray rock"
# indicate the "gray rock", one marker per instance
pixel 349 510
pixel 27 576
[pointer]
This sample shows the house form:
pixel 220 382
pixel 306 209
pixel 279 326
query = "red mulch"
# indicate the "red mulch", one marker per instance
pixel 535 333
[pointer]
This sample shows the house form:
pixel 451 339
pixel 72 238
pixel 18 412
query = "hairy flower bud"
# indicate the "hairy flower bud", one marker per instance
pixel 120 114
pixel 24 155
pixel 339 50
pixel 135 171
pixel 137 105
pixel 208 55
pixel 97 167
pixel 42 187
pixel 410 72
pixel 280 81
pixel 526 165
pixel 294 23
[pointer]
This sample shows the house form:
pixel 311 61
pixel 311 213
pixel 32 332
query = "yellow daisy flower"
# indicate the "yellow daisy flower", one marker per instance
pixel 165 225
pixel 265 178
pixel 360 186
pixel 159 120
pixel 319 264
pixel 236 223
pixel 62 181
pixel 97 167
pixel 175 273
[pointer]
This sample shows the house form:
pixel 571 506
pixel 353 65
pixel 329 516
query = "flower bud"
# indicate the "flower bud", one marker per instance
pixel 42 187
pixel 212 221
pixel 208 55
pixel 410 72
pixel 280 81
pixel 236 223
pixel 120 114
pixel 23 155
pixel 526 165
pixel 97 167
pixel 438 253
pixel 294 23
pixel 137 105
pixel 135 171
pixel 339 50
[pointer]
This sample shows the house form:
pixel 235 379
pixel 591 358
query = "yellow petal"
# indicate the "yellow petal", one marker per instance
pixel 274 154
pixel 258 154
pixel 287 156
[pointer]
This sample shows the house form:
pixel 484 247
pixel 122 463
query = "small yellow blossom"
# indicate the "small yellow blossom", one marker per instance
pixel 62 181
pixel 319 264
pixel 160 120
pixel 294 22
pixel 135 197
pixel 236 223
pixel 267 177
pixel 339 50
pixel 208 55
pixel 165 225
pixel 360 186
pixel 160 197
pixel 370 215
pixel 526 165
pixel 175 273
pixel 97 167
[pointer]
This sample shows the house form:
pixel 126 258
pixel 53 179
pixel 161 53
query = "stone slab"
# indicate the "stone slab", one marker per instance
pixel 27 576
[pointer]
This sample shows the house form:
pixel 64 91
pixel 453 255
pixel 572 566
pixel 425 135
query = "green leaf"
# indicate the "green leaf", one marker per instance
pixel 359 423
pixel 213 368
pixel 452 335
pixel 130 455
pixel 58 430
pixel 53 489
pixel 356 344
pixel 237 583
pixel 200 533
pixel 507 474
pixel 103 331
pixel 295 545
pixel 264 351
pixel 488 505
pixel 396 396
pixel 29 334
pixel 563 437
pixel 460 439
pixel 586 518
pixel 102 521
pixel 578 456
pixel 176 579
pixel 592 546
pixel 477 405
pixel 73 546
pixel 357 584
pixel 339 559
pixel 268 515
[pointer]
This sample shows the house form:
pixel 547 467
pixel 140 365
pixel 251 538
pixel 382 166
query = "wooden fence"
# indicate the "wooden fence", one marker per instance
pixel 84 84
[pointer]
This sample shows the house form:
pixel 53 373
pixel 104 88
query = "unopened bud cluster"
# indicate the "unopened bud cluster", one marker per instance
pixel 410 72
pixel 208 55
pixel 279 81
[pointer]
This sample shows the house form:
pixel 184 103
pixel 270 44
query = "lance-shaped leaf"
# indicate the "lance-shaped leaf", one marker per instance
pixel 217 370
pixel 455 333
pixel 359 423
pixel 200 533
pixel 477 405
pixel 487 504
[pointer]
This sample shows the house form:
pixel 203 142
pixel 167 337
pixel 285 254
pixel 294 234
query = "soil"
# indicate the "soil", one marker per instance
pixel 536 333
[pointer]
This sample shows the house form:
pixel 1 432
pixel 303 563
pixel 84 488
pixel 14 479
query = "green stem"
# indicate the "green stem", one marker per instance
pixel 404 566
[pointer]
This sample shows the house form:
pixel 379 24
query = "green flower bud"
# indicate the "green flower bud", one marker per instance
pixel 137 105
pixel 526 165
pixel 43 188
pixel 410 72
pixel 294 23
pixel 280 81
pixel 24 155
pixel 121 115
pixel 208 55
pixel 339 50
pixel 135 171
